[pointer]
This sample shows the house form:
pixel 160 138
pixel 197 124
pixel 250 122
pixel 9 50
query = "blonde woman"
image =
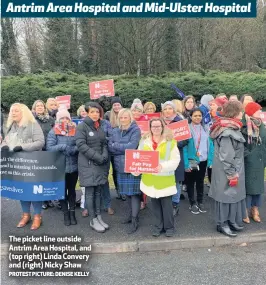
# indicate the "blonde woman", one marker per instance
pixel 126 136
pixel 161 186
pixel 179 107
pixel 52 107
pixel 24 134
pixel 112 115
pixel 81 112
pixel 149 108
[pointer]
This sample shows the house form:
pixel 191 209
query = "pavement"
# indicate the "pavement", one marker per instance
pixel 191 230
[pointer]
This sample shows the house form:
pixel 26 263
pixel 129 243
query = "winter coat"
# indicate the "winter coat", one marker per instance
pixel 255 162
pixel 46 126
pixel 122 140
pixel 228 162
pixel 2 126
pixel 190 153
pixel 67 145
pixel 93 154
pixel 29 137
pixel 161 184
pixel 180 171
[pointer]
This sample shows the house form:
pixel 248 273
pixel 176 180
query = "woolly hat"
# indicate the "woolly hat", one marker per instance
pixel 62 113
pixel 168 103
pixel 137 105
pixel 147 104
pixel 205 99
pixel 116 99
pixel 252 108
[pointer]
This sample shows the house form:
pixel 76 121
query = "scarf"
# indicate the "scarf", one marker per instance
pixel 169 120
pixel 42 117
pixel 222 124
pixel 253 129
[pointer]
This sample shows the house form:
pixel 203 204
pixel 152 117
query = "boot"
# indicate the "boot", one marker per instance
pixel 24 220
pixel 134 226
pixel 37 220
pixel 224 229
pixel 73 220
pixel 255 214
pixel 95 224
pixel 235 227
pixel 99 217
pixel 247 220
pixel 67 218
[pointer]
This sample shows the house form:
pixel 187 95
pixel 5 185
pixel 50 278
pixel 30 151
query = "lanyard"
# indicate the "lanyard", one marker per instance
pixel 198 134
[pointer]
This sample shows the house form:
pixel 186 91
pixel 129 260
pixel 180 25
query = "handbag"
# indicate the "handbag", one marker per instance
pixel 193 164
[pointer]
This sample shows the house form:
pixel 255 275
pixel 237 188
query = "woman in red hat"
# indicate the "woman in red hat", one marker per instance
pixel 254 133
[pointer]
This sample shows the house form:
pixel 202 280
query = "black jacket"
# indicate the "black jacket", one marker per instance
pixel 93 154
pixel 46 126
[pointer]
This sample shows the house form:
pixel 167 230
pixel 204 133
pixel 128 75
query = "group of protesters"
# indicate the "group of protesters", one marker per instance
pixel 228 144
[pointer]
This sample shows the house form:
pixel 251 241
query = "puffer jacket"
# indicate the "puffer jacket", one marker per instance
pixel 67 146
pixel 122 140
pixel 93 159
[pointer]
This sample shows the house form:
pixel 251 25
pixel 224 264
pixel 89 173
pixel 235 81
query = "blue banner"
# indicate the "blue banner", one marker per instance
pixel 130 8
pixel 77 121
pixel 32 176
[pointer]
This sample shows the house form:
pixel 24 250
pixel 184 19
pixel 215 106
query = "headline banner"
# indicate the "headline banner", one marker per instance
pixel 33 176
pixel 130 8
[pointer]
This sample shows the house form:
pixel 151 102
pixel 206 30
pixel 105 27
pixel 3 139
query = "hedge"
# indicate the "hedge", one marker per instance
pixel 29 87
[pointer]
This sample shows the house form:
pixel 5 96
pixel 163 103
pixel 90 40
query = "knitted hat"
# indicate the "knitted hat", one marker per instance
pixel 147 104
pixel 168 103
pixel 252 108
pixel 137 105
pixel 62 113
pixel 205 99
pixel 116 99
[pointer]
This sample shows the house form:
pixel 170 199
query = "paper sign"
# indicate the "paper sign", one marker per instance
pixel 64 101
pixel 263 117
pixel 141 161
pixel 180 130
pixel 144 126
pixel 63 129
pixel 148 117
pixel 101 88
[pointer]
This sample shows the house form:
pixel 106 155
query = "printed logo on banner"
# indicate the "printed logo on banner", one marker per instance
pixel 37 189
pixel 136 155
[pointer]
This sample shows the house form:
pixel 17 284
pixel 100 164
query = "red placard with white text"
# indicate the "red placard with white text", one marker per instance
pixel 64 100
pixel 152 116
pixel 141 161
pixel 180 130
pixel 263 117
pixel 144 126
pixel 101 88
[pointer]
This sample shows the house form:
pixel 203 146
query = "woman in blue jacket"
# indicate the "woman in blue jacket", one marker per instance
pixel 126 136
pixel 198 155
pixel 67 145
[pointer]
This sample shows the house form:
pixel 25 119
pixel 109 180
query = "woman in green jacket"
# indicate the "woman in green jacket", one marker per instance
pixel 254 133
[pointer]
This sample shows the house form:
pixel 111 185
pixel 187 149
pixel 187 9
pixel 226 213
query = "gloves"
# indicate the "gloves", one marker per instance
pixel 17 148
pixel 62 147
pixel 233 182
pixel 97 158
pixel 5 148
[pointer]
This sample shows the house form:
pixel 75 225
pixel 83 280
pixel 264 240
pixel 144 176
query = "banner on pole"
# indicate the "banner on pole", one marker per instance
pixel 33 176
pixel 64 100
pixel 101 88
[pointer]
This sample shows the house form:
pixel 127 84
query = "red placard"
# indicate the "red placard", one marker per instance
pixel 64 101
pixel 62 129
pixel 144 126
pixel 101 88
pixel 152 116
pixel 141 161
pixel 263 117
pixel 181 130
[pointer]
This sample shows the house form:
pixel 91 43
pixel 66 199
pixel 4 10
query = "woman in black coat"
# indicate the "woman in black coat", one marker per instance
pixel 46 123
pixel 93 162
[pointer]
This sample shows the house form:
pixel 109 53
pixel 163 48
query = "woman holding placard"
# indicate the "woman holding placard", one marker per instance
pixel 24 134
pixel 198 154
pixel 65 143
pixel 126 136
pixel 170 116
pixel 162 185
